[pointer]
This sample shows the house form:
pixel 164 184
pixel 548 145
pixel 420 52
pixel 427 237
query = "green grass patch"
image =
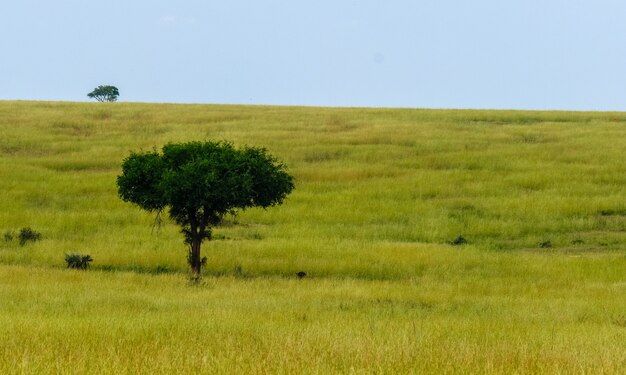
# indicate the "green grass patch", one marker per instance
pixel 382 198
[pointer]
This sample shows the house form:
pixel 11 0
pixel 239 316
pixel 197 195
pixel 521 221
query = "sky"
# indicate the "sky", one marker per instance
pixel 491 54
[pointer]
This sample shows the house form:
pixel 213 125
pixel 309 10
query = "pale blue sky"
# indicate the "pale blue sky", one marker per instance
pixel 520 54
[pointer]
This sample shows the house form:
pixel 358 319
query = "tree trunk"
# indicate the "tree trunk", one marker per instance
pixel 194 256
pixel 196 263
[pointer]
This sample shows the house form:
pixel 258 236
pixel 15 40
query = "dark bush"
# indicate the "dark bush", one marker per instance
pixel 78 261
pixel 28 234
pixel 460 240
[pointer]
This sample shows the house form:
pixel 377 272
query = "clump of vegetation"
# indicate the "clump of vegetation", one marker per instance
pixel 24 236
pixel 460 240
pixel 28 235
pixel 238 271
pixel 9 235
pixel 545 244
pixel 78 261
pixel 613 212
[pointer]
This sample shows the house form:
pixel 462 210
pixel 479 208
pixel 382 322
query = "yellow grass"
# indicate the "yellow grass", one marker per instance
pixel 380 194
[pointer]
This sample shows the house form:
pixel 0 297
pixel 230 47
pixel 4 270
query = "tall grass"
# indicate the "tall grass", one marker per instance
pixel 460 313
pixel 380 196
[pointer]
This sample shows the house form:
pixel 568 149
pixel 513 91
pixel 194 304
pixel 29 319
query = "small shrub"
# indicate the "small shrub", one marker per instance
pixel 78 261
pixel 301 274
pixel 460 240
pixel 28 234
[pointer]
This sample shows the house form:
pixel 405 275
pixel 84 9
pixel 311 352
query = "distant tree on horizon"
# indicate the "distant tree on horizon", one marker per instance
pixel 105 93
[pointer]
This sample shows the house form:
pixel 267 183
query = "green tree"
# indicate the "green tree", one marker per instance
pixel 200 182
pixel 105 93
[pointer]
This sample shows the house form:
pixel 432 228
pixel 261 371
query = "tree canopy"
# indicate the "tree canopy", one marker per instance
pixel 200 182
pixel 105 93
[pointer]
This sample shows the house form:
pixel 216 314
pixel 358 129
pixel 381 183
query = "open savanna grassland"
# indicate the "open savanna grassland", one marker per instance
pixel 539 287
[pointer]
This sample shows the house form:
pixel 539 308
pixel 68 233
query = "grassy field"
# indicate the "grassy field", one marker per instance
pixel 381 194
